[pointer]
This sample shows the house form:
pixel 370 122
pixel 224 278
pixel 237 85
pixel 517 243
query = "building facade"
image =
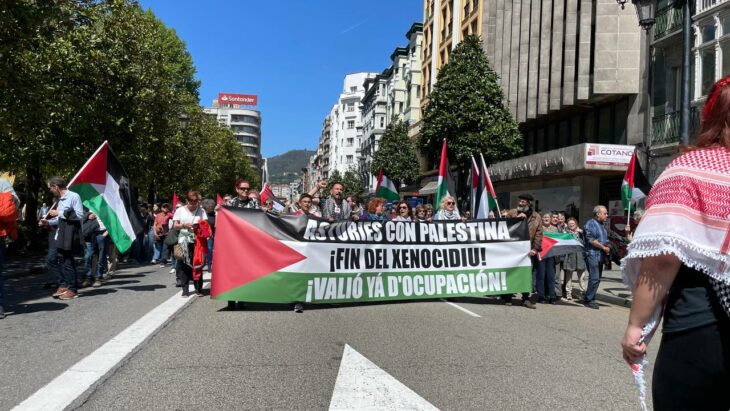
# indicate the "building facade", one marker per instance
pixel 573 74
pixel 710 61
pixel 375 118
pixel 237 112
pixel 342 131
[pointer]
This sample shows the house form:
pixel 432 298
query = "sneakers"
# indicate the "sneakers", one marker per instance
pixel 185 294
pixel 298 308
pixel 97 283
pixel 162 265
pixel 68 295
pixel 59 292
pixel 153 262
pixel 529 304
pixel 172 271
pixel 86 283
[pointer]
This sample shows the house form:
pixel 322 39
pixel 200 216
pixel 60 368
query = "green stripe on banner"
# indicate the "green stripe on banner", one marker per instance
pixel 94 201
pixel 285 287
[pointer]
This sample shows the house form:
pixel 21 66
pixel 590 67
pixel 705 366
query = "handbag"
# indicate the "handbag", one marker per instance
pixel 171 238
pixel 178 252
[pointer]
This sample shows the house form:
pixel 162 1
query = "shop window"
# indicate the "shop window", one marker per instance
pixel 622 113
pixel 589 127
pixel 563 134
pixel 575 134
pixel 605 124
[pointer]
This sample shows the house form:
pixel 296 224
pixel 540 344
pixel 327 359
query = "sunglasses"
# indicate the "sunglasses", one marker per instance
pixel 450 203
pixel 244 188
pixel 403 208
pixel 193 200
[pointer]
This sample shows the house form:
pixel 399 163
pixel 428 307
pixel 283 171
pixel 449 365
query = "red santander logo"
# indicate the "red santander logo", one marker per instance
pixel 238 99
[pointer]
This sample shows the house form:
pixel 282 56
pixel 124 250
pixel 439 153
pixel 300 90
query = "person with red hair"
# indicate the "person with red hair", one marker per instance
pixel 678 266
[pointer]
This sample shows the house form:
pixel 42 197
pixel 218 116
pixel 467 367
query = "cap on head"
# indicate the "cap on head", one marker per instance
pixel 526 196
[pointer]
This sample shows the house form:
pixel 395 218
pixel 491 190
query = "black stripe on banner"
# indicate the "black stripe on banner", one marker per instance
pixel 311 229
pixel 115 169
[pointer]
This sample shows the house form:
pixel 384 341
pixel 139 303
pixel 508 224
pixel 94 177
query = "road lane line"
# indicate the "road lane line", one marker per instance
pixel 74 382
pixel 473 314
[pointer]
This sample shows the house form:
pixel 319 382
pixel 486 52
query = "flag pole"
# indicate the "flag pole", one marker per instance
pixel 486 172
pixel 628 219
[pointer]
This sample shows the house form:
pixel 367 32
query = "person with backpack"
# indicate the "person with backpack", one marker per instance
pixel 9 203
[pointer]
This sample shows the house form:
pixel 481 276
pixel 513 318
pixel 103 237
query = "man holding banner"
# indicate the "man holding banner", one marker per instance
pixel 534 223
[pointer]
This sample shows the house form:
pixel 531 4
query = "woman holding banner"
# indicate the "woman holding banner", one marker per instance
pixel 447 210
pixel 574 262
pixel 404 212
pixel 375 211
pixel 545 276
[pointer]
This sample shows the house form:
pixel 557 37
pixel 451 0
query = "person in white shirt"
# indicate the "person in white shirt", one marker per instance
pixel 185 220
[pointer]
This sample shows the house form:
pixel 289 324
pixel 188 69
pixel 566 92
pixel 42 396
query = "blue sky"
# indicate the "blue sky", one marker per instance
pixel 292 53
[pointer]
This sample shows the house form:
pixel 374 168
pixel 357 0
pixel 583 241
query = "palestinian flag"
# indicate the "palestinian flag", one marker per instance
pixel 104 188
pixel 475 186
pixel 385 188
pixel 635 186
pixel 446 184
pixel 559 244
pixel 488 202
pixel 267 194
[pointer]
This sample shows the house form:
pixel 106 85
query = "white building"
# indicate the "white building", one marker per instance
pixel 345 126
pixel 236 112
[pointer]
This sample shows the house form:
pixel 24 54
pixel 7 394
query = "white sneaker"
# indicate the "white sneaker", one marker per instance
pixel 172 271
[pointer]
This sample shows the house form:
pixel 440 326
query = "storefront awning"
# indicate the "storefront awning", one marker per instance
pixel 429 188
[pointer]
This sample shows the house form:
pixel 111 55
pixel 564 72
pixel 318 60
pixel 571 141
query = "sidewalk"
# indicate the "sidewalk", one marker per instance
pixel 611 290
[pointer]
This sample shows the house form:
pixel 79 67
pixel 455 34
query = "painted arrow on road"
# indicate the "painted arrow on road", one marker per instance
pixel 362 385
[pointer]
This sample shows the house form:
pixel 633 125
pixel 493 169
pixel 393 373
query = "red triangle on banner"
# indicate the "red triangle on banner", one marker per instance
pixel 244 253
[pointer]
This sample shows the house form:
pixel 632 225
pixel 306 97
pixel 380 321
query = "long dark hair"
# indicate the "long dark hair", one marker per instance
pixel 715 128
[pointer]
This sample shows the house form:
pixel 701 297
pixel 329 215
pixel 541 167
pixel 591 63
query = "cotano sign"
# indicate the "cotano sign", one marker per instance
pixel 238 99
pixel 608 154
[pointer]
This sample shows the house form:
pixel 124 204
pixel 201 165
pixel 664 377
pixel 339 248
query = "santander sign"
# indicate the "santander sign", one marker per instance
pixel 238 99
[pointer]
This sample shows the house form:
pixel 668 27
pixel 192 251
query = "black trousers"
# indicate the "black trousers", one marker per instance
pixel 184 273
pixel 692 370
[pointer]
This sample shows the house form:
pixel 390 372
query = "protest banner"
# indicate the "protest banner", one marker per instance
pixel 264 258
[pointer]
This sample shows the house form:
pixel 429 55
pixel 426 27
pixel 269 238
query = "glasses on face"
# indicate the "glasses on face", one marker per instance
pixel 193 200
pixel 403 208
pixel 450 203
pixel 244 188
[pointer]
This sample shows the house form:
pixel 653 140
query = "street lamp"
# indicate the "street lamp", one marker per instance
pixel 645 10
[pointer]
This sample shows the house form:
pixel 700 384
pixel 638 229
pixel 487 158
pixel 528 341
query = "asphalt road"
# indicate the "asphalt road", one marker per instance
pixel 268 357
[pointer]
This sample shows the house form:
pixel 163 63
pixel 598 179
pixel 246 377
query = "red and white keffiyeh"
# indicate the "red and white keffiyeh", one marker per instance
pixel 687 215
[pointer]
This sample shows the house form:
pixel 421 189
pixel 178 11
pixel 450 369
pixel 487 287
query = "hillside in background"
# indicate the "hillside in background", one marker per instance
pixel 287 167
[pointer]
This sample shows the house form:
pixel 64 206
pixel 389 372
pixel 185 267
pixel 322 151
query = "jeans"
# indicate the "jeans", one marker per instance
pixel 99 247
pixel 2 276
pixel 595 270
pixel 209 258
pixel 88 258
pixel 546 277
pixel 160 251
pixel 68 268
pixel 54 268
pixel 150 244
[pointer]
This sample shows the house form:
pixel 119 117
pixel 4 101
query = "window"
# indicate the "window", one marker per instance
pixel 620 116
pixel 605 126
pixel 350 106
pixel 725 46
pixel 708 32
pixel 575 131
pixel 726 24
pixel 382 122
pixel 350 142
pixel 563 134
pixel 353 89
pixel 708 68
pixel 350 124
pixel 349 159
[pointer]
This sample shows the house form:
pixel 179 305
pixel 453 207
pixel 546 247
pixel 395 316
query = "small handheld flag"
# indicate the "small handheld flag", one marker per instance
pixel 385 188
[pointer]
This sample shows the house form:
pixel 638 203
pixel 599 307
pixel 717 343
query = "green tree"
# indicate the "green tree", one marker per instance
pixel 396 154
pixel 467 107
pixel 353 182
pixel 74 73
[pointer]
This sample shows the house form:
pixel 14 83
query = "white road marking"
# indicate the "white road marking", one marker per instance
pixel 74 382
pixel 473 314
pixel 362 385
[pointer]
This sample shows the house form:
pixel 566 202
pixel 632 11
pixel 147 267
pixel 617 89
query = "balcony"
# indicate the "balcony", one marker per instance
pixel 703 5
pixel 668 21
pixel 665 128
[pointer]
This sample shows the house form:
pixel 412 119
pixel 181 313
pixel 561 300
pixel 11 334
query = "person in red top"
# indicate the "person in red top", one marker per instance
pixel 161 227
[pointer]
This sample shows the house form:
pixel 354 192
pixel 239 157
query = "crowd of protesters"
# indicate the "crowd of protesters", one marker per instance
pixel 182 237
